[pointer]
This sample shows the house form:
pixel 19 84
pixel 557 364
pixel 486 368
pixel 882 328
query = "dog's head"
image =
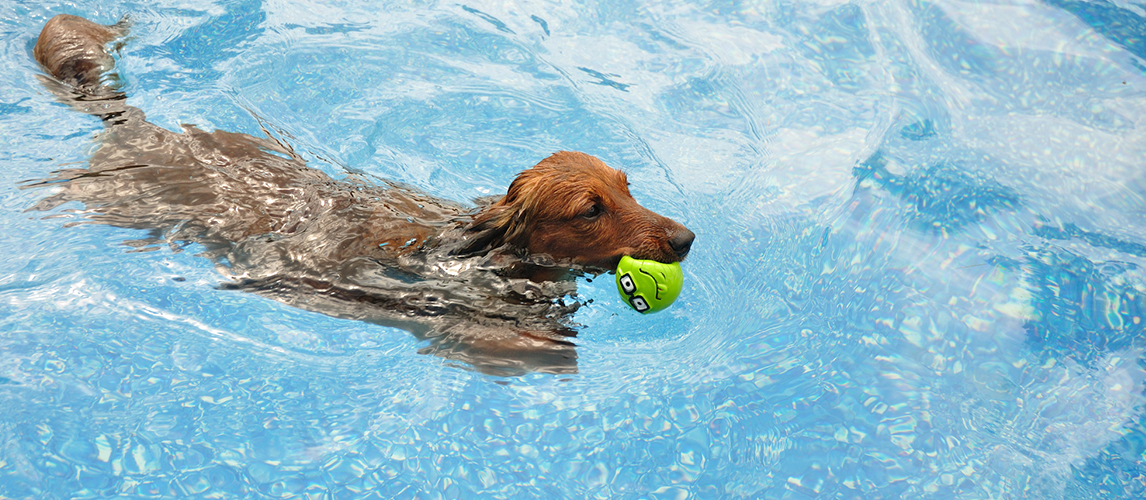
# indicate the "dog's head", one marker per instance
pixel 575 209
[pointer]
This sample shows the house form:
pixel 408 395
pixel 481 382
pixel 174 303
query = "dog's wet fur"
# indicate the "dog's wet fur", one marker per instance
pixel 489 286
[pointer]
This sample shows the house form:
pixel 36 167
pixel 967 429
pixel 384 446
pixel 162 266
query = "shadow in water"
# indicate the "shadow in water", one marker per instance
pixel 941 196
pixel 1081 311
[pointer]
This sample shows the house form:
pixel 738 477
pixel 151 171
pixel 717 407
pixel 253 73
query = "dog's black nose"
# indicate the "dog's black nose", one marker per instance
pixel 681 242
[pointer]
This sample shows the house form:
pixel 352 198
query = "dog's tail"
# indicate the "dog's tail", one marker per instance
pixel 73 50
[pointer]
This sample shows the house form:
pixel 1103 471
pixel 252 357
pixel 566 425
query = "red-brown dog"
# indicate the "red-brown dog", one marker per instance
pixel 484 285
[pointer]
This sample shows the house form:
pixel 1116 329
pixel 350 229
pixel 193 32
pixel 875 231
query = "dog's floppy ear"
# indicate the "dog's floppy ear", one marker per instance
pixel 487 232
pixel 504 222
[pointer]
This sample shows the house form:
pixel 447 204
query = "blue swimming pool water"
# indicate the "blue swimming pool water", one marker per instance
pixel 918 271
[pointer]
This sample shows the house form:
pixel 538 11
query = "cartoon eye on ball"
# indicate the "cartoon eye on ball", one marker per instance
pixel 648 286
pixel 627 285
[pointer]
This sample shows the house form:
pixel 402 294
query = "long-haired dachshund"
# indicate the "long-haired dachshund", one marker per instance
pixel 486 285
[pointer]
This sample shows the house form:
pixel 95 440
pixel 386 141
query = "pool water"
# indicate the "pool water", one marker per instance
pixel 917 274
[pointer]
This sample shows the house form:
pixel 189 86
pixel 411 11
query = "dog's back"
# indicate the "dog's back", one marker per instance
pixel 73 50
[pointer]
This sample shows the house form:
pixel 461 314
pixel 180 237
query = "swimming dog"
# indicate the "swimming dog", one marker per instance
pixel 485 285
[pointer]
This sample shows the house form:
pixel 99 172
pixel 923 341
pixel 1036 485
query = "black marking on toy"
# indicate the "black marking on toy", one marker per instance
pixel 655 282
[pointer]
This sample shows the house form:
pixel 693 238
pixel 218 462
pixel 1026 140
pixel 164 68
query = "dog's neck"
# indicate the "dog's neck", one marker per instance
pixel 468 242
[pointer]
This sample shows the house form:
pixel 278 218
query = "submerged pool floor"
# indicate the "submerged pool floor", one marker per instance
pixel 917 274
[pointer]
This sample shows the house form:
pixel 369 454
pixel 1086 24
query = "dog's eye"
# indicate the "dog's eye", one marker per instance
pixel 593 212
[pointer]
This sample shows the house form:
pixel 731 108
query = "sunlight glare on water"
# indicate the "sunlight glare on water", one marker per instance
pixel 917 271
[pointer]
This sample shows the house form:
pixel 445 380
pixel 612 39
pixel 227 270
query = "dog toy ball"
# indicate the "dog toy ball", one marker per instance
pixel 647 285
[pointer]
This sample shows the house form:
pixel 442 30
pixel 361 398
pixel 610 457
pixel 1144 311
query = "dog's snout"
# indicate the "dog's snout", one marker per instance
pixel 681 242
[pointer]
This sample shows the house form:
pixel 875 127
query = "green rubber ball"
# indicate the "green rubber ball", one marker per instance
pixel 648 286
